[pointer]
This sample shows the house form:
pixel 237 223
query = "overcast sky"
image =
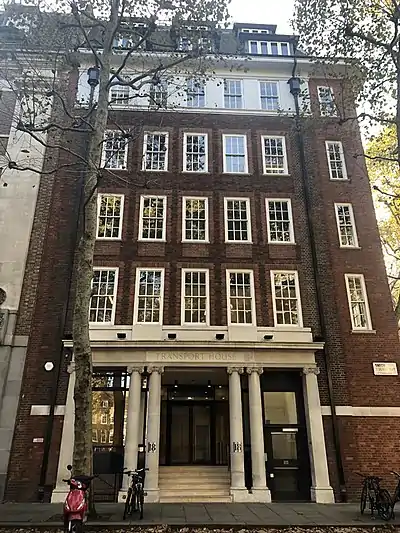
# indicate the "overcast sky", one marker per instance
pixel 279 13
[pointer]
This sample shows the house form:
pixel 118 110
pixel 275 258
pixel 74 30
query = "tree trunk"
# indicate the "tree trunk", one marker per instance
pixel 82 458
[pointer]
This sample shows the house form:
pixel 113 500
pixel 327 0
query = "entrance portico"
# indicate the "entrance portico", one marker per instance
pixel 249 447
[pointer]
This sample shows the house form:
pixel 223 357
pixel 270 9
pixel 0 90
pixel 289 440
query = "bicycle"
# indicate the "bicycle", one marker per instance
pixel 135 496
pixel 379 499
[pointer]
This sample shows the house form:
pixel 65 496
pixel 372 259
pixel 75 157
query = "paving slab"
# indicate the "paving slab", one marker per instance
pixel 197 514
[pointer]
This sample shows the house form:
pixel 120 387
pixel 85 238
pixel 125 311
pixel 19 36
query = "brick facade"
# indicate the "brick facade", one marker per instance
pixel 351 354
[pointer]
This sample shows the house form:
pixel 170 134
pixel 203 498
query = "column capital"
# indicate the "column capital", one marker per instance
pixel 71 368
pixel 139 369
pixel 158 369
pixel 311 370
pixel 232 369
pixel 258 369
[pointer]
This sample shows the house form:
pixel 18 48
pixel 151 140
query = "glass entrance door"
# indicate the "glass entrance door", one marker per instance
pixel 190 434
pixel 287 463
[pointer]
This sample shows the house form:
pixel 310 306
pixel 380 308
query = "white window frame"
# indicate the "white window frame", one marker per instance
pixel 246 162
pixel 265 98
pixel 298 297
pixel 103 432
pixel 104 419
pixel 159 90
pixel 285 170
pixel 252 292
pixel 233 95
pixel 207 273
pixel 105 404
pixel 248 212
pixel 111 323
pixel 268 46
pixel 291 223
pixel 164 230
pixel 145 151
pixel 136 303
pixel 197 95
pixel 185 137
pixel 353 225
pixel 184 239
pixel 104 160
pixel 322 105
pixel 120 95
pixel 95 436
pixel 365 296
pixel 121 218
pixel 342 160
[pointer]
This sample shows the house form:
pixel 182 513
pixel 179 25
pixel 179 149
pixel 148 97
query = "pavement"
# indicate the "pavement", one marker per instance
pixel 214 515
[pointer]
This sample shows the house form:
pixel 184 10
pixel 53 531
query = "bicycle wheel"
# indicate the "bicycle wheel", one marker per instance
pixel 384 505
pixel 363 499
pixel 128 504
pixel 141 502
pixel 76 526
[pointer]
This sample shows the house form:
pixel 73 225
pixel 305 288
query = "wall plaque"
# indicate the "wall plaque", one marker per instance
pixel 385 369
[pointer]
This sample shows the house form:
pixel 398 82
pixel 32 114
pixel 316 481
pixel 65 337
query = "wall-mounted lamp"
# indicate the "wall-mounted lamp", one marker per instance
pixel 171 336
pixel 121 335
pixel 220 336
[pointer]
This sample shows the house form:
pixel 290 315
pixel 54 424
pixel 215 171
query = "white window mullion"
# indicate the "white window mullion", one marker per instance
pixel 358 302
pixel 110 210
pixel 336 161
pixel 115 150
pixel 235 159
pixel 346 226
pixel 240 297
pixel 280 221
pixel 195 305
pixel 195 152
pixel 149 295
pixel 195 219
pixel 237 220
pixel 274 155
pixel 155 152
pixel 286 298
pixel 152 221
pixel 104 293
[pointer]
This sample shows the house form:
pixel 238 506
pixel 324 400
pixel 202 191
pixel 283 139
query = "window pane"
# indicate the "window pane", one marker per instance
pixel 155 157
pixel 274 155
pixel 153 214
pixel 269 95
pixel 336 160
pixel 196 155
pixel 102 300
pixel 280 224
pixel 286 298
pixel 346 227
pixel 237 220
pixel 233 94
pixel 109 216
pixel 114 150
pixel 240 298
pixel 196 93
pixel 357 302
pixel 195 219
pixel 149 297
pixel 280 408
pixel 235 155
pixel 195 297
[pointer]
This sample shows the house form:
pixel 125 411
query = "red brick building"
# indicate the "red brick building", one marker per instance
pixel 241 322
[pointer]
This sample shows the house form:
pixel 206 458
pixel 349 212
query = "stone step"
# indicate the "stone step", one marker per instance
pixel 195 499
pixel 189 486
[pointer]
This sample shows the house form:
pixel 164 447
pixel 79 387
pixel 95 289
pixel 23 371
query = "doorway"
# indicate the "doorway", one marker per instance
pixel 194 425
pixel 285 437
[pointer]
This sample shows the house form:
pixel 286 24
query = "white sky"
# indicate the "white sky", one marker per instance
pixel 263 12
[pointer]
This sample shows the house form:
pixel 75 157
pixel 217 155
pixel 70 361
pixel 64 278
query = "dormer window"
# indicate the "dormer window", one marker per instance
pixel 267 48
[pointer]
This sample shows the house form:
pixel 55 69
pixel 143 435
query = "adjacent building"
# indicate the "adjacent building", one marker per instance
pixel 244 342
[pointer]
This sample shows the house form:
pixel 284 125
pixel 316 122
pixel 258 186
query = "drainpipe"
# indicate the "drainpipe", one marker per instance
pixel 93 82
pixel 294 84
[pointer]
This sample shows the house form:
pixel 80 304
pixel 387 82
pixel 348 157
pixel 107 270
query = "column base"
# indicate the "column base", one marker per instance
pixel 322 495
pixel 153 495
pixel 240 495
pixel 260 495
pixel 122 495
pixel 59 493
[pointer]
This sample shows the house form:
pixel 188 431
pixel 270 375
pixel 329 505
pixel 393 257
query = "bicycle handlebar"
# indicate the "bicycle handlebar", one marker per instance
pixel 395 473
pixel 133 472
pixel 368 477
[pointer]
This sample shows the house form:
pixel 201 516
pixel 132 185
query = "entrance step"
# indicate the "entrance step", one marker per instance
pixel 200 484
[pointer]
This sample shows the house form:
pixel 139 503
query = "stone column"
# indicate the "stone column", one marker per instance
pixel 132 426
pixel 259 489
pixel 67 441
pixel 321 491
pixel 238 490
pixel 153 435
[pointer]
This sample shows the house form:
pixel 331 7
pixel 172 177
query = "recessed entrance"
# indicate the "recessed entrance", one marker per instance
pixel 194 425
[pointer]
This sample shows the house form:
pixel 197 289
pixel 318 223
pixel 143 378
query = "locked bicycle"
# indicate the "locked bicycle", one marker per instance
pixel 135 495
pixel 377 498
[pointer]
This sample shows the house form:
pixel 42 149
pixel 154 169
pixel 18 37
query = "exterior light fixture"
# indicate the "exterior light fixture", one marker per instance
pixel 48 366
pixel 93 76
pixel 294 85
